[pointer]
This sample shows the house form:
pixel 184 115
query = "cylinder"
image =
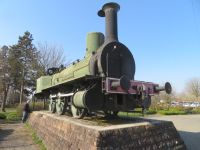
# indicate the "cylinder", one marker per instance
pixel 109 11
pixel 91 99
pixel 93 42
pixel 79 99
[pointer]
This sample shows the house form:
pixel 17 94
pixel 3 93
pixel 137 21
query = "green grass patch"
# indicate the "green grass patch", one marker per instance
pixel 15 114
pixel 164 111
pixel 137 113
pixel 179 111
pixel 151 112
pixel 130 114
pixel 172 112
pixel 35 138
pixel 196 110
pixel 10 115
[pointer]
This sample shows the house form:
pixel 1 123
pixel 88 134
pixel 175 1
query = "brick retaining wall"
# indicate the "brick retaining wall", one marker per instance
pixel 65 133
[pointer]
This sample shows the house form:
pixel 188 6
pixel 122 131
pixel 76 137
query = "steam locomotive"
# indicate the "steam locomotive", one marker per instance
pixel 101 82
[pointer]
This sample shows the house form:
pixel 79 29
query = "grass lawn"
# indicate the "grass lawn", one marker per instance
pixel 10 115
pixel 169 111
pixel 137 113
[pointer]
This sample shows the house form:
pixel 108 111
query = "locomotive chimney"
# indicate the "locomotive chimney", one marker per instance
pixel 109 11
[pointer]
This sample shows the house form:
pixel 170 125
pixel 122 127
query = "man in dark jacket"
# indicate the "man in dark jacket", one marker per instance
pixel 26 110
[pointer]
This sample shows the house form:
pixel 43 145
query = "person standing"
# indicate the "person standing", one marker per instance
pixel 26 111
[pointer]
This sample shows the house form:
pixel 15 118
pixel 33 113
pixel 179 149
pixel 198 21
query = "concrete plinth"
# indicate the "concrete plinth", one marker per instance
pixel 66 133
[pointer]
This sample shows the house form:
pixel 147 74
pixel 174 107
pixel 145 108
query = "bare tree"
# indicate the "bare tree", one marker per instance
pixel 50 56
pixel 193 87
pixel 4 75
pixel 167 98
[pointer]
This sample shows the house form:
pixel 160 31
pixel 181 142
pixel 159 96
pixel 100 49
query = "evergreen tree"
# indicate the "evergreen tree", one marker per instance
pixel 23 60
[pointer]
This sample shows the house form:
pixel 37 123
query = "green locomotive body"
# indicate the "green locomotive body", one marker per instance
pixel 76 70
pixel 101 82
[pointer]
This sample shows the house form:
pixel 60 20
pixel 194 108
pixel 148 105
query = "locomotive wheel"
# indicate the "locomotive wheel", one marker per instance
pixel 60 106
pixel 78 112
pixel 52 106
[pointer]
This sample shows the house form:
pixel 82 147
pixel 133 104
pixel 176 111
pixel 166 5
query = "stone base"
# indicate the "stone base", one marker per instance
pixel 66 133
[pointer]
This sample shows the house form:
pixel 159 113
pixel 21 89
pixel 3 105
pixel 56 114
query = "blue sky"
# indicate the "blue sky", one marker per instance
pixel 163 35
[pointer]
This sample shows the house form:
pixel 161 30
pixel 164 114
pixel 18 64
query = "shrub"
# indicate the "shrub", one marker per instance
pixel 37 106
pixel 188 110
pixel 178 108
pixel 19 110
pixel 2 116
pixel 12 116
pixel 151 111
pixel 196 110
pixel 172 112
pixel 160 106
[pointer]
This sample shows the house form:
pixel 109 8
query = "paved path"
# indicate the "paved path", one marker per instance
pixel 188 127
pixel 16 137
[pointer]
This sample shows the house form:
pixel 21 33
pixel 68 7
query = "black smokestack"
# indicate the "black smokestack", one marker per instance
pixel 109 11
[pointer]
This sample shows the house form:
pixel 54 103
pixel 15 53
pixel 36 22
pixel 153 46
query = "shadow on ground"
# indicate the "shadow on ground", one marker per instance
pixel 191 139
pixel 4 133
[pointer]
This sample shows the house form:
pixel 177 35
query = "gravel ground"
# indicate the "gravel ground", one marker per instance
pixel 14 136
pixel 188 127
